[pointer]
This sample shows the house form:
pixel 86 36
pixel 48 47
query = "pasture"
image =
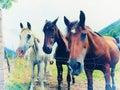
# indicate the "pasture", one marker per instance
pixel 19 78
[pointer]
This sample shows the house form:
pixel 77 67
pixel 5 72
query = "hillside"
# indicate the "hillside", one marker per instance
pixel 111 30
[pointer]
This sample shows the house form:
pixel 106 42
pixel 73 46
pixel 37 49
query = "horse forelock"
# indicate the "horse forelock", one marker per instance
pixel 24 29
pixel 74 23
pixel 27 31
pixel 72 26
pixel 48 25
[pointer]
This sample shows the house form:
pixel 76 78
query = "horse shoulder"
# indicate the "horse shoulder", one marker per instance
pixel 111 41
pixel 113 50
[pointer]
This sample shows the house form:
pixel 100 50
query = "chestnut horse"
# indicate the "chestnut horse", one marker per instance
pixel 52 35
pixel 94 50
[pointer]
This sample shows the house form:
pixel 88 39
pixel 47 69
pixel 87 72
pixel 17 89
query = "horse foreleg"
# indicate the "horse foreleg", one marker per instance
pixel 59 76
pixel 32 77
pixel 107 76
pixel 112 75
pixel 45 68
pixel 32 67
pixel 68 79
pixel 38 73
pixel 41 74
pixel 73 80
pixel 89 78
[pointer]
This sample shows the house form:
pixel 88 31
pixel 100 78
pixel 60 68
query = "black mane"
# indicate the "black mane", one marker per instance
pixel 98 34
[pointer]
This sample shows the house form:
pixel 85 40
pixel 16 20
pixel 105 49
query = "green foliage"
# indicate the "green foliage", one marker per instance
pixel 6 4
pixel 114 32
pixel 111 30
pixel 20 75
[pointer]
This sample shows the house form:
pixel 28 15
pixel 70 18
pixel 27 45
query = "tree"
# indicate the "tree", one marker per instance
pixel 4 4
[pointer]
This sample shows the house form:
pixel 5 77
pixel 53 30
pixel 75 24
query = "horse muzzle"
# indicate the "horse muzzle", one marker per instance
pixel 75 67
pixel 20 52
pixel 47 50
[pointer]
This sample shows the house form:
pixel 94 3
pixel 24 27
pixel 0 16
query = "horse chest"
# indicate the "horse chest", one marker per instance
pixel 61 56
pixel 96 62
pixel 34 58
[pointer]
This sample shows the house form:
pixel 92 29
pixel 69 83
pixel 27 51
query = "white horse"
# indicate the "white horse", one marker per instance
pixel 30 46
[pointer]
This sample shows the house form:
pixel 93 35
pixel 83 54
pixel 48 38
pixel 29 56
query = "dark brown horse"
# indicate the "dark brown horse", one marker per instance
pixel 52 35
pixel 97 52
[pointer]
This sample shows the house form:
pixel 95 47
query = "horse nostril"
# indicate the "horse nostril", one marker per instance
pixel 21 51
pixel 47 49
pixel 70 69
pixel 77 65
pixel 68 63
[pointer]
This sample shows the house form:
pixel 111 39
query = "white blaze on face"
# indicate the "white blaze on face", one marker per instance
pixel 50 45
pixel 73 31
pixel 82 56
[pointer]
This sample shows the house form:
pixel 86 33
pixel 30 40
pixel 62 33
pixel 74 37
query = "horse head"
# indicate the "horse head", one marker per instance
pixel 76 36
pixel 27 40
pixel 49 30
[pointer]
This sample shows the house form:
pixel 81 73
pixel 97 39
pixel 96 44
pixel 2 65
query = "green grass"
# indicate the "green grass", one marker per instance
pixel 20 76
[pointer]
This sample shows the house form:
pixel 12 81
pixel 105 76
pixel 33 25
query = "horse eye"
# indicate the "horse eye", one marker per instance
pixel 28 36
pixel 83 36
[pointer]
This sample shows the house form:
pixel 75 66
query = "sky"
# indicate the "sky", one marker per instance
pixel 99 14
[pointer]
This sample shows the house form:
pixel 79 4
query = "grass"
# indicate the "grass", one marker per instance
pixel 20 76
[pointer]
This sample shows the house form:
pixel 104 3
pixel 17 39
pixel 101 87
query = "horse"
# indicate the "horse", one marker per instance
pixel 95 51
pixel 53 35
pixel 31 48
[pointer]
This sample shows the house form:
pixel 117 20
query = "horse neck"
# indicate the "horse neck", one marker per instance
pixel 60 39
pixel 95 41
pixel 36 46
pixel 62 47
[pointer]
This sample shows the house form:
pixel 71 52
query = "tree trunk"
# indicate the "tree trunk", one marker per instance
pixel 1 55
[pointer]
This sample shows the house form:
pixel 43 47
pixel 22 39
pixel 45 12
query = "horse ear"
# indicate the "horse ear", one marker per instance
pixel 46 21
pixel 66 21
pixel 21 25
pixel 82 20
pixel 55 21
pixel 28 25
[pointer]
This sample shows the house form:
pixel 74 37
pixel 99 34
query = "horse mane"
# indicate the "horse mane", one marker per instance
pixel 63 37
pixel 98 34
pixel 24 29
pixel 96 41
pixel 93 32
pixel 99 44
